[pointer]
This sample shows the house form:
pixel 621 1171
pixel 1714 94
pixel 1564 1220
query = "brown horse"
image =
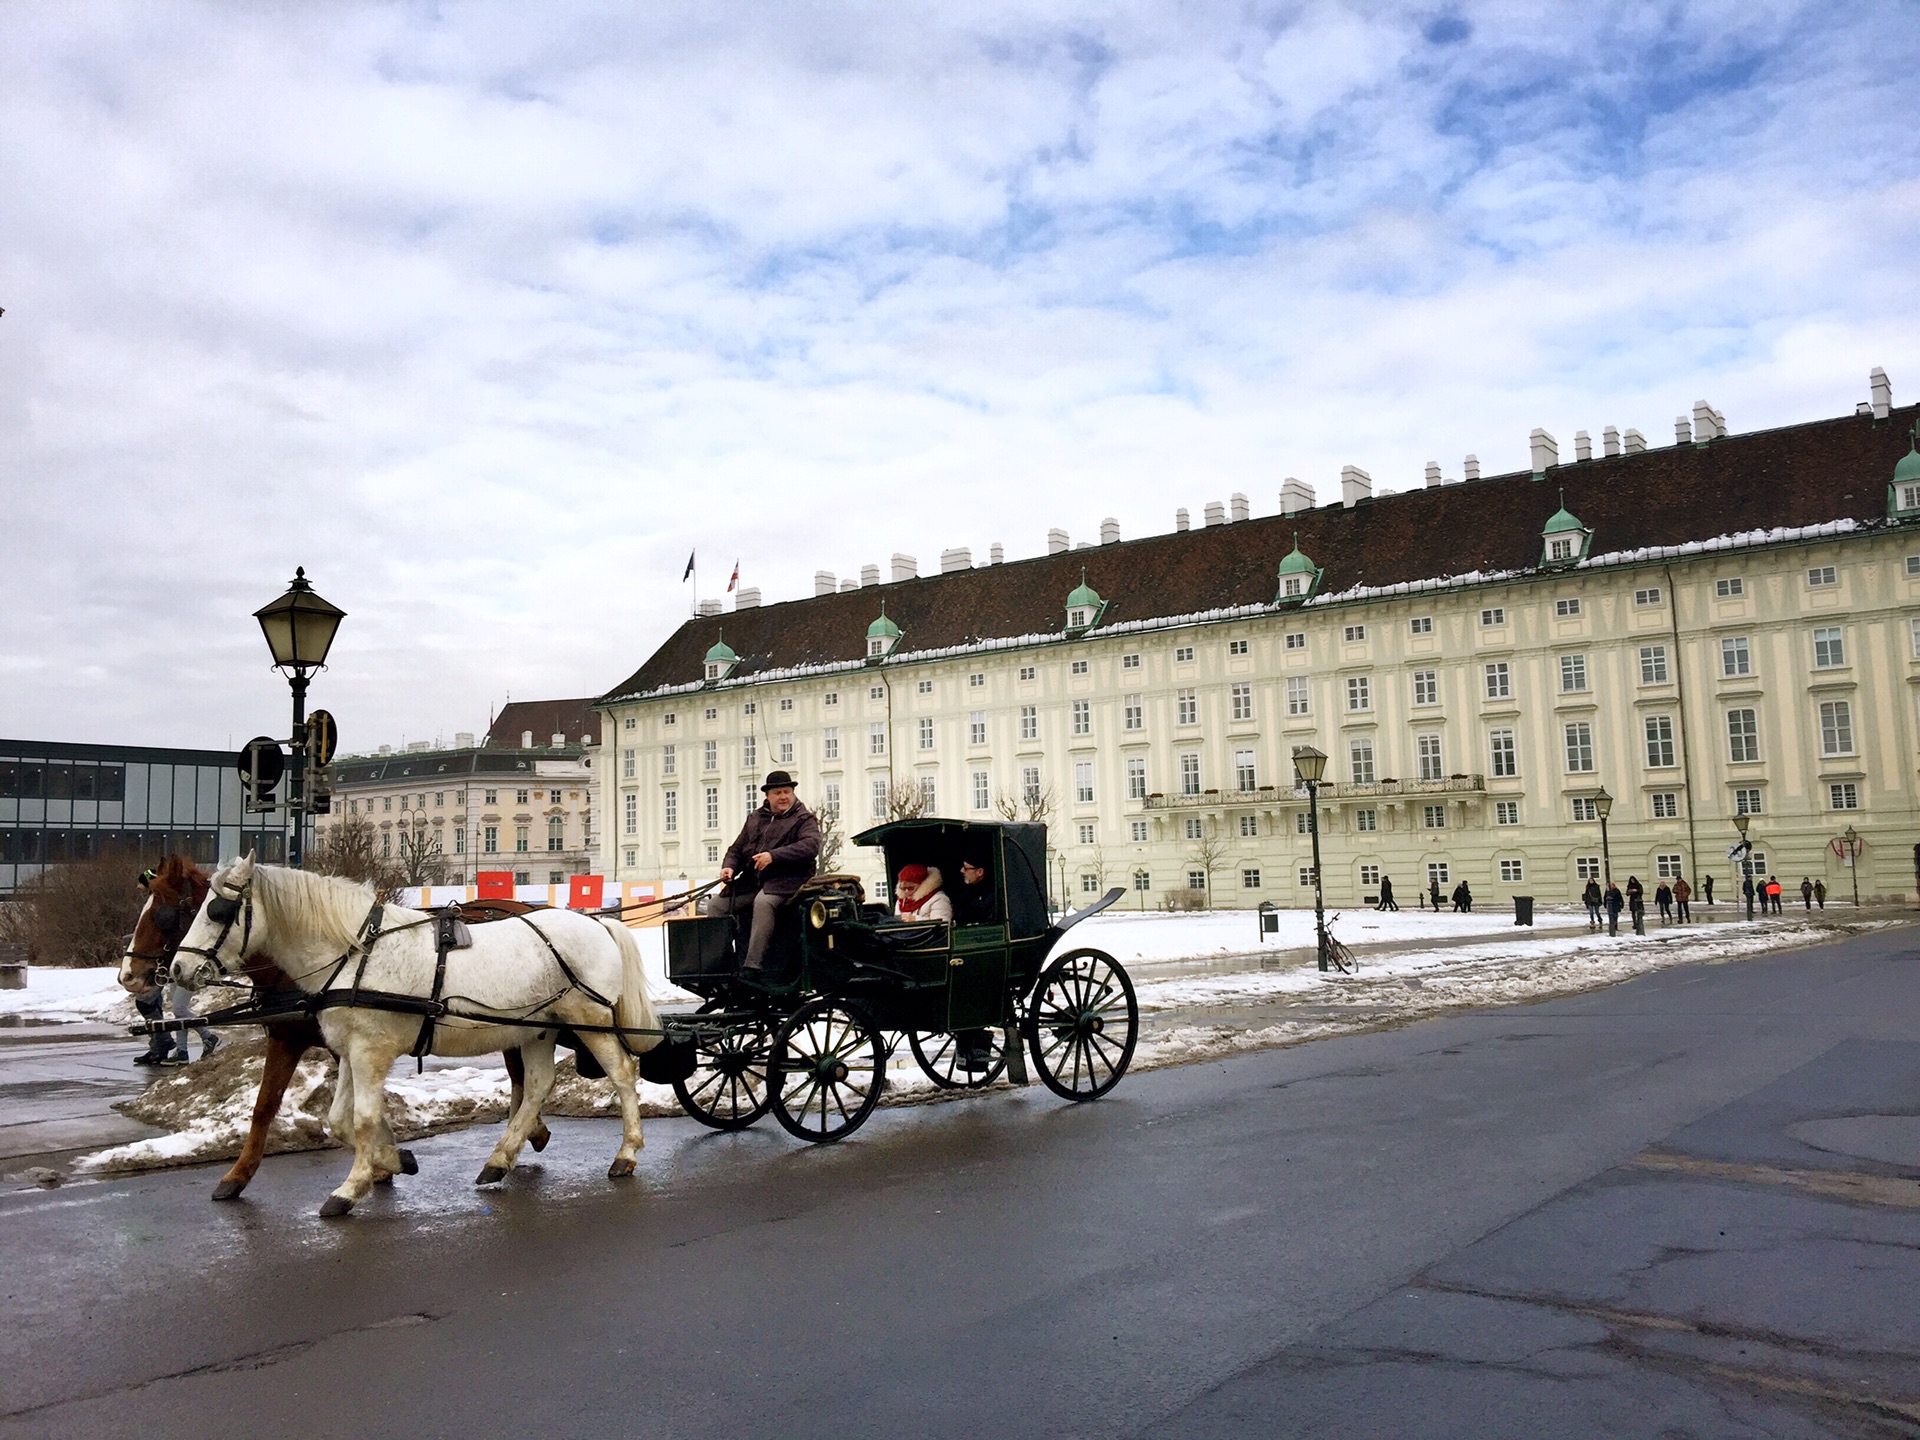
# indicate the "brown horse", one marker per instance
pixel 175 893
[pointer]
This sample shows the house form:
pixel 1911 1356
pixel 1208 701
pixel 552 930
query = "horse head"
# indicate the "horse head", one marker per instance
pixel 211 946
pixel 174 894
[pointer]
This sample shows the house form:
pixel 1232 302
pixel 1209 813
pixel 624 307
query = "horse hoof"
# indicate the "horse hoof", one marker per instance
pixel 408 1165
pixel 539 1139
pixel 335 1207
pixel 229 1189
pixel 620 1169
pixel 491 1175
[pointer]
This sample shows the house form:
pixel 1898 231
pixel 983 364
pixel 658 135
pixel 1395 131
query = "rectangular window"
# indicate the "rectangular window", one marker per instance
pixel 1083 782
pixel 1659 730
pixel 1187 707
pixel 710 755
pixel 1369 876
pixel 1585 809
pixel 924 687
pixel 460 842
pixel 1420 625
pixel 977 680
pixel 750 799
pixel 1249 879
pixel 1666 867
pixel 785 754
pixel 1573 673
pixel 1086 834
pixel 876 692
pixel 1666 805
pixel 1079 667
pixel 1183 655
pixel 1244 775
pixel 1089 884
pixel 1494 615
pixel 632 813
pixel 929 795
pixel 1136 777
pixel 1297 701
pixel 1366 819
pixel 1579 737
pixel 1355 633
pixel 1027 672
pixel 1196 879
pixel 1506 812
pixel 1836 727
pixel 669 760
pixel 668 719
pixel 1829 648
pixel 492 798
pixel 786 704
pixel 1249 827
pixel 1237 647
pixel 1502 753
pixel 977 728
pixel 832 697
pixel 1306 875
pixel 1129 662
pixel 1434 817
pixel 749 708
pixel 711 713
pixel 1437 873
pixel 712 798
pixel 1743 736
pixel 627 763
pixel 1301 824
pixel 490 839
pixel 982 798
pixel 556 833
pixel 1730 589
pixel 1499 682
pixel 669 812
pixel 1134 713
pixel 1511 872
pixel 1648 596
pixel 830 743
pixel 1083 717
pixel 1029 722
pixel 522 838
pixel 1189 774
pixel 877 798
pixel 1746 802
pixel 1426 687
pixel 1194 831
pixel 1913 567
pixel 1138 829
pixel 1566 608
pixel 1843 795
pixel 1653 664
pixel 1359 692
pixel 1296 640
pixel 1427 750
pixel 1735 658
pixel 1586 867
pixel 926 732
pixel 1821 576
pixel 1913 627
pixel 877 738
pixel 1030 785
pixel 1242 697
pixel 1360 761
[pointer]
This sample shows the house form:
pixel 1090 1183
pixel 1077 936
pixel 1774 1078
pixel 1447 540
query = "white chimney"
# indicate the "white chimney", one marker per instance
pixel 1881 389
pixel 1295 496
pixel 1582 445
pixel 1682 431
pixel 1216 513
pixel 417 747
pixel 1355 485
pixel 559 740
pixel 1636 443
pixel 1706 423
pixel 1546 450
pixel 905 567
pixel 996 554
pixel 463 740
pixel 869 574
pixel 1237 507
pixel 1056 541
pixel 747 597
pixel 526 739
pixel 709 607
pixel 958 559
pixel 849 584
pixel 386 750
pixel 1470 468
pixel 1110 531
pixel 823 583
pixel 1433 474
pixel 1610 441
pixel 1180 521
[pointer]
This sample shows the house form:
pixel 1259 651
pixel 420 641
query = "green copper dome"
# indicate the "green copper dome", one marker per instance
pixel 1562 520
pixel 883 628
pixel 1084 594
pixel 1908 470
pixel 722 654
pixel 1296 562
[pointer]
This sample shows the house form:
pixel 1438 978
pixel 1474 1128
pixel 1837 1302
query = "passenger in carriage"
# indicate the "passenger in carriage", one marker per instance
pixel 917 896
pixel 973 903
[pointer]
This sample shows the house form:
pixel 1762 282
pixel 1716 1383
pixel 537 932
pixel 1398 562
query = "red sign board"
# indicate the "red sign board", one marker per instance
pixel 584 892
pixel 494 884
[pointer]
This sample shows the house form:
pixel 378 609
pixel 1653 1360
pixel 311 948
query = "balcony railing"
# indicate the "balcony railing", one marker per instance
pixel 1329 790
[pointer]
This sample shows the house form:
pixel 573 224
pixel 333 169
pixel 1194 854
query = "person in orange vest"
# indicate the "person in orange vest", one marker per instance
pixel 1773 893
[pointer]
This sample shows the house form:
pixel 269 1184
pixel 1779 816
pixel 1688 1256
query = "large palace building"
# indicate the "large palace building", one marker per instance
pixel 1726 627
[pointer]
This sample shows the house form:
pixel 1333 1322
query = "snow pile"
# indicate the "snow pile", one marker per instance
pixel 53 993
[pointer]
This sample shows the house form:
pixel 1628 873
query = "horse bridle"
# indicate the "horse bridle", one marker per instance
pixel 172 919
pixel 223 910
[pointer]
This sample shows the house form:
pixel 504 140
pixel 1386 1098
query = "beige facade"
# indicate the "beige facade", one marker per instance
pixel 1468 727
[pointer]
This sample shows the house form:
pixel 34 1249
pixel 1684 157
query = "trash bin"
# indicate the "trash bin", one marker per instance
pixel 1269 920
pixel 1523 910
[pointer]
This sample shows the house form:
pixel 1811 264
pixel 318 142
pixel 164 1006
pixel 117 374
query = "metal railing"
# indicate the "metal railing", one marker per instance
pixel 1329 790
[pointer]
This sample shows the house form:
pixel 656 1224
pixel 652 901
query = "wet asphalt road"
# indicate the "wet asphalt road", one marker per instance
pixel 1461 1227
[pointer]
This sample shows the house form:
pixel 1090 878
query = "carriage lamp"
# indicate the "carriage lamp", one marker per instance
pixel 1603 807
pixel 1310 764
pixel 299 627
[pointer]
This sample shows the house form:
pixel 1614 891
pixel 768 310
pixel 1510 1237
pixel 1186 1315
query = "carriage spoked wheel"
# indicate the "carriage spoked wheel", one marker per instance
pixel 728 1088
pixel 1081 1024
pixel 948 1064
pixel 828 1069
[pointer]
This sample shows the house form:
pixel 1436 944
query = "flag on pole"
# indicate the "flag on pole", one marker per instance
pixel 689 570
pixel 736 577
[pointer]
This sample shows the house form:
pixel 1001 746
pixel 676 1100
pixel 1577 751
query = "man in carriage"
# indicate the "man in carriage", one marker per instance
pixel 766 866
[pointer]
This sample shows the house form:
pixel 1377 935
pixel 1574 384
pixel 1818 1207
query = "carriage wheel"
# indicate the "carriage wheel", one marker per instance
pixel 728 1088
pixel 828 1069
pixel 940 1057
pixel 1081 1024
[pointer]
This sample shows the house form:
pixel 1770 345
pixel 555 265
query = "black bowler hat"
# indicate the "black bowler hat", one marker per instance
pixel 778 780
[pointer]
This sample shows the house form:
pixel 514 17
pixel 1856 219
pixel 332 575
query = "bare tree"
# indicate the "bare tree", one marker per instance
pixel 78 913
pixel 1031 806
pixel 908 802
pixel 347 850
pixel 831 838
pixel 1208 851
pixel 421 862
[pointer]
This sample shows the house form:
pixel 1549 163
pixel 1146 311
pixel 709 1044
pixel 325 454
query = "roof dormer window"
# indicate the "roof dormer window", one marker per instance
pixel 1563 539
pixel 1084 605
pixel 1903 495
pixel 720 660
pixel 1299 576
pixel 883 636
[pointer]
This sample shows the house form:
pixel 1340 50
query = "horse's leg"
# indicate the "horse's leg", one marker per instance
pixel 285 1046
pixel 537 1056
pixel 517 1072
pixel 367 1059
pixel 623 1072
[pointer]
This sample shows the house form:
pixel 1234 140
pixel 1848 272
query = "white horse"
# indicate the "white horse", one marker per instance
pixel 554 965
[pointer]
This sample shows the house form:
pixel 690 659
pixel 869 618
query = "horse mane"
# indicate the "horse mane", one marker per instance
pixel 304 903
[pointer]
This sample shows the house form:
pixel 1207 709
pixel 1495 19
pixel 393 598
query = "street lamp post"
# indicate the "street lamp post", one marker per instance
pixel 1603 807
pixel 299 627
pixel 1310 764
pixel 1740 823
pixel 1852 838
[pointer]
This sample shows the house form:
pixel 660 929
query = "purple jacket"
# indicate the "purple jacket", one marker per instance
pixel 793 839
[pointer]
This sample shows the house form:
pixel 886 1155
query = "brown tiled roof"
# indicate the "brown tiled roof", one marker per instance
pixel 1796 476
pixel 546 719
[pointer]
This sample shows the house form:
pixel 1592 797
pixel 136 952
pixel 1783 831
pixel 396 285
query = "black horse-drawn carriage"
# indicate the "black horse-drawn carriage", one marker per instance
pixel 844 979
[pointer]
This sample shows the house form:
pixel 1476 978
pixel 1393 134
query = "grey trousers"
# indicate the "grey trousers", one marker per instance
pixel 759 908
pixel 180 1001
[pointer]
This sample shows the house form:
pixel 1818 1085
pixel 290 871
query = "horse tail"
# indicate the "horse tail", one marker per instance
pixel 633 1009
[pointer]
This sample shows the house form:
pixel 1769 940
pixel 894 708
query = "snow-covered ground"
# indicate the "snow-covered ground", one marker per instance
pixel 1152 935
pixel 92 993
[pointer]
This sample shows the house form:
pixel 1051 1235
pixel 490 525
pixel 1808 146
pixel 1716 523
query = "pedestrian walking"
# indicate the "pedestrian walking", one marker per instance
pixel 1774 892
pixel 1433 893
pixel 1462 899
pixel 1614 904
pixel 1748 891
pixel 1663 897
pixel 1820 892
pixel 1806 891
pixel 1682 892
pixel 1637 904
pixel 1706 887
pixel 1593 898
pixel 1386 894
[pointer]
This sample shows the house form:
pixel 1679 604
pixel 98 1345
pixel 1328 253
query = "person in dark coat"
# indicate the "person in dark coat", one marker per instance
pixel 1806 891
pixel 774 856
pixel 973 901
pixel 1637 904
pixel 1433 889
pixel 1387 901
pixel 1706 887
pixel 1614 904
pixel 1663 897
pixel 1820 893
pixel 1462 899
pixel 1592 897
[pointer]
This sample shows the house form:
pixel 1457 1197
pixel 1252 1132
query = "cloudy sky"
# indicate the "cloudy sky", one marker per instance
pixel 488 315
